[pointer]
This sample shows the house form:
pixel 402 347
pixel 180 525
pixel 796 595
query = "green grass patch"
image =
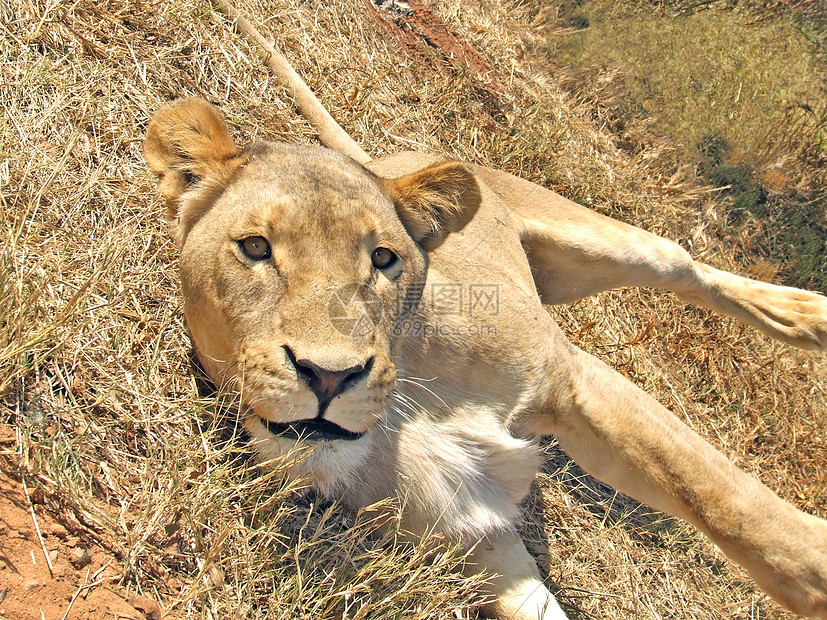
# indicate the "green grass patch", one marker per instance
pixel 743 91
pixel 707 73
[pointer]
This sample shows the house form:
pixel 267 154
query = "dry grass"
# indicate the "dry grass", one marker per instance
pixel 94 366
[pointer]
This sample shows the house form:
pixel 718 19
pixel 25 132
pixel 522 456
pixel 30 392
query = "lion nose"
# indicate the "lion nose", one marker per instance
pixel 327 384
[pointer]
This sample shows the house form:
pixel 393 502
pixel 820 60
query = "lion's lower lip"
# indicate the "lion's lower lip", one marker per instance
pixel 311 430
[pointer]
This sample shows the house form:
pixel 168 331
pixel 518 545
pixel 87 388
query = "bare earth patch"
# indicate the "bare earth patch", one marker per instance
pixel 421 33
pixel 83 579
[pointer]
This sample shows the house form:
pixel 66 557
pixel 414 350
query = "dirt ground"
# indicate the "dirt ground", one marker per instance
pixel 80 579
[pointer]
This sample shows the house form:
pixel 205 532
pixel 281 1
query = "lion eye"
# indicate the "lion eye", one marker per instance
pixel 382 258
pixel 255 248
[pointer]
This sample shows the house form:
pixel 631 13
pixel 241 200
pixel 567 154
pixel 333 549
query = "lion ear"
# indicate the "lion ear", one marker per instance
pixel 435 201
pixel 189 148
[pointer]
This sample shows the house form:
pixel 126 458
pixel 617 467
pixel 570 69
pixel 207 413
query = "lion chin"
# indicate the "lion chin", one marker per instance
pixel 326 461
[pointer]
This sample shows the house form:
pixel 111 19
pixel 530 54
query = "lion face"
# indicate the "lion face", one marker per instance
pixel 297 266
pixel 293 281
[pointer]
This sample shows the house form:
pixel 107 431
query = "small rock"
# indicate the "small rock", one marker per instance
pixel 216 576
pixel 53 555
pixel 80 557
pixel 31 584
pixel 3 591
pixel 147 606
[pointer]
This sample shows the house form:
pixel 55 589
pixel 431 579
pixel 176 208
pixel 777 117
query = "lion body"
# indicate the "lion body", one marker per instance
pixel 437 389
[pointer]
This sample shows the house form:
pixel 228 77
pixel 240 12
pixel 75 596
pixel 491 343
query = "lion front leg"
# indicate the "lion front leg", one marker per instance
pixel 625 437
pixel 515 587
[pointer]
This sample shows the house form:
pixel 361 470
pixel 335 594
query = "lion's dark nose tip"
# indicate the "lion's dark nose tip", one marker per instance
pixel 327 384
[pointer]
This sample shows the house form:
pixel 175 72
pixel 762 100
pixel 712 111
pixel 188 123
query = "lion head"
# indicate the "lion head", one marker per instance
pixel 297 266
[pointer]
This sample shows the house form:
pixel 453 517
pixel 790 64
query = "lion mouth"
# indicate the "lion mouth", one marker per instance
pixel 310 430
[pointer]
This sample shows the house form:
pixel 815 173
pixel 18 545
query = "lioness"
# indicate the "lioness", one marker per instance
pixel 391 317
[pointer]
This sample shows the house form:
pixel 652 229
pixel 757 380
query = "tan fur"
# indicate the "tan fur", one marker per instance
pixel 435 201
pixel 452 390
pixel 192 144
